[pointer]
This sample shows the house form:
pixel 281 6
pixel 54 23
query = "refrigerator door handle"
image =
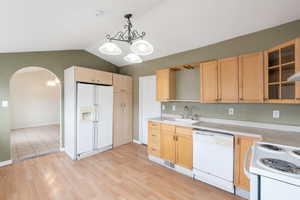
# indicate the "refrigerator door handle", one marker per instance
pixel 95 137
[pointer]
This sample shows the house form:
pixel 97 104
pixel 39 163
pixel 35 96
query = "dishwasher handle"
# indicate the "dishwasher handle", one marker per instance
pixel 246 162
pixel 203 133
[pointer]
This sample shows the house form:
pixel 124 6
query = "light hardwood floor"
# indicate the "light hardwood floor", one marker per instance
pixel 123 173
pixel 31 142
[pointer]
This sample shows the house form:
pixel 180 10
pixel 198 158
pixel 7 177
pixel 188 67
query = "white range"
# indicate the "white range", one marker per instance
pixel 274 172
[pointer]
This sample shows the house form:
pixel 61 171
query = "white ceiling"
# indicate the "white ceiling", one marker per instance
pixel 172 26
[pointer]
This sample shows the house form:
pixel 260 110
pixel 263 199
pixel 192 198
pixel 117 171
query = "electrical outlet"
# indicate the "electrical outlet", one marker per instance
pixel 4 104
pixel 276 114
pixel 174 107
pixel 163 107
pixel 230 111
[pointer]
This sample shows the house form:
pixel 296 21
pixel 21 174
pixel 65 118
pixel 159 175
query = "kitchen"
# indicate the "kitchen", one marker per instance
pixel 218 151
pixel 158 100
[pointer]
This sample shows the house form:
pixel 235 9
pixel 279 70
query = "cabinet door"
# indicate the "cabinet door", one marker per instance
pixel 87 75
pixel 184 151
pixel 251 75
pixel 167 137
pixel 242 144
pixel 122 83
pixel 154 138
pixel 280 63
pixel 209 82
pixel 127 117
pixel 165 85
pixel 228 80
pixel 118 120
pixel 104 78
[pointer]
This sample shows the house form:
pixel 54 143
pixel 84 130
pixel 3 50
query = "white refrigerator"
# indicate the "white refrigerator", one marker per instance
pixel 94 119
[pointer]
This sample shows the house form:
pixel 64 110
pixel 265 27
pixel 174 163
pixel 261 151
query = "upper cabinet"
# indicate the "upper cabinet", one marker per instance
pixel 228 80
pixel 281 62
pixel 259 77
pixel 87 75
pixel 209 82
pixel 165 84
pixel 122 83
pixel 251 76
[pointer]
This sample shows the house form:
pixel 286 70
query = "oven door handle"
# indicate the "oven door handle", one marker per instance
pixel 246 162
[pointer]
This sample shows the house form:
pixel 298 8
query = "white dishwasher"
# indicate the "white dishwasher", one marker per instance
pixel 213 159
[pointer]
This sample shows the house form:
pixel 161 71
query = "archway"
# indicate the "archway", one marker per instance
pixel 35 99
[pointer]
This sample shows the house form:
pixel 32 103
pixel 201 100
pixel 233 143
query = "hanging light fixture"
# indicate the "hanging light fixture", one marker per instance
pixel 138 45
pixel 133 58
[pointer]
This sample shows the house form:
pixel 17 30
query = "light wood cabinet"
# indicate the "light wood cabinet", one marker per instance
pixel 168 142
pixel 122 83
pixel 281 62
pixel 123 107
pixel 251 78
pixel 228 80
pixel 87 75
pixel 165 84
pixel 209 82
pixel 184 147
pixel 242 144
pixel 154 138
pixel 177 145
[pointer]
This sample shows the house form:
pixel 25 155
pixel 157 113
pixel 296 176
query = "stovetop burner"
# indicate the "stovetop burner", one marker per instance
pixel 281 165
pixel 271 147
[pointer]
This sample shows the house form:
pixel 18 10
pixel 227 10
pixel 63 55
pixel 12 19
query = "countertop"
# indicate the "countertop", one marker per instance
pixel 288 138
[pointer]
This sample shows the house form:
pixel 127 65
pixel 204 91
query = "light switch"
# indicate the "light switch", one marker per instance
pixel 276 114
pixel 4 104
pixel 174 107
pixel 230 111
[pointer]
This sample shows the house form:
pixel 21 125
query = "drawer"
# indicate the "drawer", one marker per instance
pixel 154 151
pixel 167 127
pixel 154 140
pixel 184 131
pixel 154 125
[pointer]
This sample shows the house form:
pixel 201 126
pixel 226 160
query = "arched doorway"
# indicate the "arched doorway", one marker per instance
pixel 35 111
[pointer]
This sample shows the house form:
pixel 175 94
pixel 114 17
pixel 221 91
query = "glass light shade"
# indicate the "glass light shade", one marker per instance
pixel 110 48
pixel 51 83
pixel 57 81
pixel 142 47
pixel 133 58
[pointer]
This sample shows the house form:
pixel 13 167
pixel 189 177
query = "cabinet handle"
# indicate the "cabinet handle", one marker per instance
pixel 153 135
pixel 297 98
pixel 241 99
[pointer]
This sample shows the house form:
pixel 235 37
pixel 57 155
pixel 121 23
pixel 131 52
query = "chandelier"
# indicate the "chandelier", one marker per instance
pixel 138 45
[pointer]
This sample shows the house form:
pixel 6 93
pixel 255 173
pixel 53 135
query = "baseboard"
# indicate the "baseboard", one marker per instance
pixel 5 163
pixel 37 125
pixel 242 193
pixel 136 141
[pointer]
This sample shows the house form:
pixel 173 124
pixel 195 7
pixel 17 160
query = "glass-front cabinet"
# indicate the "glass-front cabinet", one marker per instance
pixel 281 62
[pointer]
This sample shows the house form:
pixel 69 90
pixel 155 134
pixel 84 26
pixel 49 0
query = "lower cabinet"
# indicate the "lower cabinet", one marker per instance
pixel 242 144
pixel 175 143
pixel 184 147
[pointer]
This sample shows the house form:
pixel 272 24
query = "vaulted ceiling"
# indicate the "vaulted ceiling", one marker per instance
pixel 172 26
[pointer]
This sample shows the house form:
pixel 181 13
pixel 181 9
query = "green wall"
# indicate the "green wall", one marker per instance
pixel 254 42
pixel 55 61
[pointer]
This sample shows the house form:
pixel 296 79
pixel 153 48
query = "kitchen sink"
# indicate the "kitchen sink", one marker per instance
pixel 187 121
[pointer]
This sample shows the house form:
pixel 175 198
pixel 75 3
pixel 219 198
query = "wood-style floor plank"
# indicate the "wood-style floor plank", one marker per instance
pixel 123 173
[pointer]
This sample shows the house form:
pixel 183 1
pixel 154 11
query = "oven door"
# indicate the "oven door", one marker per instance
pixel 254 187
pixel 271 189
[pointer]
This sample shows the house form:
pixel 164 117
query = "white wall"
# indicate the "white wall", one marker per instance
pixel 32 102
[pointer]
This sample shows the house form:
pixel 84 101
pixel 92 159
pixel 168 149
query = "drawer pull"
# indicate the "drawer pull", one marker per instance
pixel 153 149
pixel 153 135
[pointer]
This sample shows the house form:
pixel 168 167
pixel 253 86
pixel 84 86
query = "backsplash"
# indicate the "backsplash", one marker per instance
pixel 289 114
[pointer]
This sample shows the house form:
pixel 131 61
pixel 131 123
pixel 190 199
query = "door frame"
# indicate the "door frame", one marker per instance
pixel 141 78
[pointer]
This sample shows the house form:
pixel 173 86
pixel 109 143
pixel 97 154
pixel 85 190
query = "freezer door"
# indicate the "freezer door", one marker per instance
pixel 85 118
pixel 104 116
